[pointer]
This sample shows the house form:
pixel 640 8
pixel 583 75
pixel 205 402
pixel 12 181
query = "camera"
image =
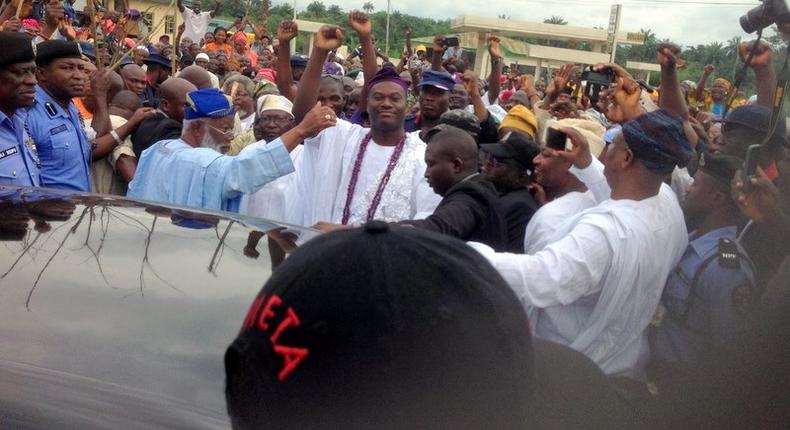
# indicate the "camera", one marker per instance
pixel 451 41
pixel 596 81
pixel 770 12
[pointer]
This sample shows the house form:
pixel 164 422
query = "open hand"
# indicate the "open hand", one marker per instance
pixel 141 114
pixel 54 13
pixel 761 201
pixel 579 155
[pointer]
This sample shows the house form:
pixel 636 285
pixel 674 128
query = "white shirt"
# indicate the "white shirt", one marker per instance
pixel 599 285
pixel 195 24
pixel 324 171
pixel 548 220
pixel 269 202
pixel 246 123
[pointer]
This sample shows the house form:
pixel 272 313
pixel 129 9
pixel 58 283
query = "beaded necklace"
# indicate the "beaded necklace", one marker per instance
pixel 352 184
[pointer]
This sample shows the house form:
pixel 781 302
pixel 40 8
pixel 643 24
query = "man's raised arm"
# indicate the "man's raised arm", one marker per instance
pixel 329 37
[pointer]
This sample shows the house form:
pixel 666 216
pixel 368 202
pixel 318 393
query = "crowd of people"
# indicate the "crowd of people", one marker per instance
pixel 623 268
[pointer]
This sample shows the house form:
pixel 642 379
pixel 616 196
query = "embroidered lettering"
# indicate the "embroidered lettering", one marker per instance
pixel 8 152
pixel 292 357
pixel 59 129
pixel 268 313
pixel 290 319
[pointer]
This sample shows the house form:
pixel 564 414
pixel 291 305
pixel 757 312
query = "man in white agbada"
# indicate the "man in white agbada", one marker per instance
pixel 274 118
pixel 193 170
pixel 349 174
pixel 598 286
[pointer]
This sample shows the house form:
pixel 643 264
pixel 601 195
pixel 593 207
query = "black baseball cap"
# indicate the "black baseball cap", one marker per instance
pixel 719 166
pixel 515 146
pixel 757 118
pixel 382 327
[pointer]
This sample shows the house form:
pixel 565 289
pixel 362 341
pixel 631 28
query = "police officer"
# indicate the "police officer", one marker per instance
pixel 54 122
pixel 705 305
pixel 19 163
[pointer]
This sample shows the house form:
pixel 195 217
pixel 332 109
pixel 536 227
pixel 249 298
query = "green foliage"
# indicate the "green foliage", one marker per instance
pixel 723 55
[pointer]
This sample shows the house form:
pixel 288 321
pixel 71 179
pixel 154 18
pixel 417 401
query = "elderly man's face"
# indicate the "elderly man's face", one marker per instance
pixel 218 134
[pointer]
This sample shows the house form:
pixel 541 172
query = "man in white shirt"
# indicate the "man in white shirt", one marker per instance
pixel 349 174
pixel 196 22
pixel 562 194
pixel 598 286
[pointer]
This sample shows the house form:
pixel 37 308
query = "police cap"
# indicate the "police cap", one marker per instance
pixel 17 48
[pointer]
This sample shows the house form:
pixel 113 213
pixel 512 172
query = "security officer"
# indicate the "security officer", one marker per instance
pixel 705 305
pixel 19 163
pixel 54 122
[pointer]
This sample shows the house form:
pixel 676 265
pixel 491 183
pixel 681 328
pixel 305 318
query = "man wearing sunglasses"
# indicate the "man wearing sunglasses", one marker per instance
pixel 508 165
pixel 194 170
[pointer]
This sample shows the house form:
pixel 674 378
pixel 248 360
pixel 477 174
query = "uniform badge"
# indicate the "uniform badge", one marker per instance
pixel 50 109
pixel 35 49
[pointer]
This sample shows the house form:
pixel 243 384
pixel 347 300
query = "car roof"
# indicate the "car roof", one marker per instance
pixel 116 313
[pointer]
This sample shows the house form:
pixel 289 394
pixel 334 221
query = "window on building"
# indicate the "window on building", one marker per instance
pixel 170 24
pixel 148 22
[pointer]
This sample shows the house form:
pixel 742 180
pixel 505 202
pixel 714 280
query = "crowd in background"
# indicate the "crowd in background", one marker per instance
pixel 637 231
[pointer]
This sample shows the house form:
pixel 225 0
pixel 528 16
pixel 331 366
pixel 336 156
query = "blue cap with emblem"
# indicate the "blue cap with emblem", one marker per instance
pixel 440 80
pixel 207 103
pixel 87 50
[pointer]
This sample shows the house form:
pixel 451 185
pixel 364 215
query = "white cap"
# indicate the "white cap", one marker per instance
pixel 202 56
pixel 275 102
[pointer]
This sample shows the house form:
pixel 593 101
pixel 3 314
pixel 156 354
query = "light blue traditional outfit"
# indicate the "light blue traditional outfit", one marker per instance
pixel 172 171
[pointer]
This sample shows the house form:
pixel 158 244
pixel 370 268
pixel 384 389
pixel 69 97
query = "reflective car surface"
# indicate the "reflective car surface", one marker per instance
pixel 116 313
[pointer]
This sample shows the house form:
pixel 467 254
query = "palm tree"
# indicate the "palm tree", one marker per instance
pixel 556 20
pixel 368 7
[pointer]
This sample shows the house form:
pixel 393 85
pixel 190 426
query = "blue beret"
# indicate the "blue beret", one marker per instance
pixel 658 141
pixel 441 80
pixel 207 103
pixel 87 49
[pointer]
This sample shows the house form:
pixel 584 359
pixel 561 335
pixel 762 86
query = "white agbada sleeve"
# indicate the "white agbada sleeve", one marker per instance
pixel 256 165
pixel 561 273
pixel 592 176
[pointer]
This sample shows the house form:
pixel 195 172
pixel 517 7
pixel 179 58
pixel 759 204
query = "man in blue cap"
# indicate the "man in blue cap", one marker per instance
pixel 435 88
pixel 596 288
pixel 158 70
pixel 54 122
pixel 19 164
pixel 193 170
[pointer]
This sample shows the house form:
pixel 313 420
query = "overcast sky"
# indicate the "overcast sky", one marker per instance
pixel 687 23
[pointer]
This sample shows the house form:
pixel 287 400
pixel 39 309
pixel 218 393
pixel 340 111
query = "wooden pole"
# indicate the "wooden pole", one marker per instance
pixel 174 66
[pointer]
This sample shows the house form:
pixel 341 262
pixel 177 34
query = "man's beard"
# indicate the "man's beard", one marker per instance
pixel 210 142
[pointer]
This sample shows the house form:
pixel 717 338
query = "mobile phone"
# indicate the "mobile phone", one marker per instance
pixel 451 41
pixel 556 139
pixel 596 81
pixel 750 166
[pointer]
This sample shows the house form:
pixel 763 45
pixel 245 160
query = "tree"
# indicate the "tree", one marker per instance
pixel 368 7
pixel 556 20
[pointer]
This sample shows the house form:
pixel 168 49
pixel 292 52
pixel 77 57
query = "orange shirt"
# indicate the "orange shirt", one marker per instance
pixel 213 48
pixel 86 115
